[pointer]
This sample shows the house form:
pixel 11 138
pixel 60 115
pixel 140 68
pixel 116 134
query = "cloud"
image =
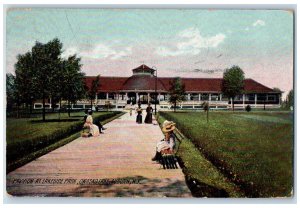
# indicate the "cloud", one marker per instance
pixel 247 28
pixel 258 23
pixel 69 52
pixel 99 51
pixel 190 43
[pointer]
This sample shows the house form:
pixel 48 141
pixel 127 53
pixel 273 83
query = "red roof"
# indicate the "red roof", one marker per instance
pixel 143 82
pixel 107 84
pixel 143 68
pixel 146 83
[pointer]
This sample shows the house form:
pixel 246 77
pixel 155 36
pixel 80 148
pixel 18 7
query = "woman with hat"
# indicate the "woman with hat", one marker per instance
pixel 148 118
pixel 168 142
pixel 93 129
pixel 139 118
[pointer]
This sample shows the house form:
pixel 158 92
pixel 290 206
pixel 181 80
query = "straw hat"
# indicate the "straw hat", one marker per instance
pixel 168 126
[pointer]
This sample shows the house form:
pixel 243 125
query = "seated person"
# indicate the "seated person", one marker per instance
pixel 93 129
pixel 90 112
pixel 168 143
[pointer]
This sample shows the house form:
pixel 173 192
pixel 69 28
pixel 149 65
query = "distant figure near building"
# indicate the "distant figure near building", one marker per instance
pixel 148 118
pixel 130 111
pixel 139 118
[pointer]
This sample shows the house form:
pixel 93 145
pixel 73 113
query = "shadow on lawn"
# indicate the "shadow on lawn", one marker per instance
pixel 55 120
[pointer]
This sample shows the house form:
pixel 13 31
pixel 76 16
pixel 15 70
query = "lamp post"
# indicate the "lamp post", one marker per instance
pixel 155 69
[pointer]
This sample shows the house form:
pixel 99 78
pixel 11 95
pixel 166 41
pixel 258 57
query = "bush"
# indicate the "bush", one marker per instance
pixel 20 149
pixel 248 108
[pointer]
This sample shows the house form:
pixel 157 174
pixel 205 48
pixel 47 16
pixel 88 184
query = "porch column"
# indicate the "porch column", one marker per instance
pixel 117 100
pixel 279 99
pixel 220 97
pixel 126 96
pixel 255 100
pixel 137 97
pixel 96 98
pixel 243 100
pixel 199 97
pixel 189 96
pixel 158 97
pixel 209 96
pixel 107 96
pixel 148 95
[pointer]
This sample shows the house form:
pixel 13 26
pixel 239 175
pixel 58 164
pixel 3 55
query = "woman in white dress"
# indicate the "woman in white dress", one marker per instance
pixel 93 129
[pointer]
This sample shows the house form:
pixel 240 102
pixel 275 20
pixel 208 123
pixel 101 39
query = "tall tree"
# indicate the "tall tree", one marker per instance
pixel 24 82
pixel 46 62
pixel 233 83
pixel 176 91
pixel 10 92
pixel 73 84
pixel 93 89
pixel 290 98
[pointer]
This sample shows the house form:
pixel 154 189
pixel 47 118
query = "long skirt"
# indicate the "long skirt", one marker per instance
pixel 94 130
pixel 139 118
pixel 162 146
pixel 148 118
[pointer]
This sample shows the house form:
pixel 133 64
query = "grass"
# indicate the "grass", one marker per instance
pixel 203 178
pixel 254 150
pixel 28 139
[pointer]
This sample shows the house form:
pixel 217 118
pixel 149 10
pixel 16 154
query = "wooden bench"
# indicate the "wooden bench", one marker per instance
pixel 169 158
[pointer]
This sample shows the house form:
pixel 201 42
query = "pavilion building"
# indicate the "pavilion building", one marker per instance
pixel 122 92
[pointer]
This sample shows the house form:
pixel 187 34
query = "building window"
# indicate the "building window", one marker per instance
pixel 194 96
pixel 238 97
pixel 122 95
pixel 261 97
pixel 224 97
pixel 250 97
pixel 205 96
pixel 111 96
pixel 215 97
pixel 102 95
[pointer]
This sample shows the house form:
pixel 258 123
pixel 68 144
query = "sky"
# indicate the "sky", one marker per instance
pixel 176 42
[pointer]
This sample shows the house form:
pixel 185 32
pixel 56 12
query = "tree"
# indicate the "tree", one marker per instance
pixel 205 106
pixel 177 92
pixel 72 81
pixel 41 74
pixel 11 94
pixel 46 63
pixel 24 81
pixel 290 99
pixel 233 82
pixel 276 89
pixel 93 89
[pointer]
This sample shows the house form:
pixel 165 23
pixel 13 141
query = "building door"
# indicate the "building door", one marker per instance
pixel 131 98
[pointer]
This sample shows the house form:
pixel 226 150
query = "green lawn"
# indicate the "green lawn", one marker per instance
pixel 254 149
pixel 28 138
pixel 210 182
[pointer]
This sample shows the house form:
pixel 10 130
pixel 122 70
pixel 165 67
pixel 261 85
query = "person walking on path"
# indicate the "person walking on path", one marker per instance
pixel 148 118
pixel 139 118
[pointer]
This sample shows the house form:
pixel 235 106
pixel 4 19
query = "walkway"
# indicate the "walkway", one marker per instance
pixel 123 153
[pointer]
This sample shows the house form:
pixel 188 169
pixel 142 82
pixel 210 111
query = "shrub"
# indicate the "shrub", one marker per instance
pixel 248 108
pixel 20 149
